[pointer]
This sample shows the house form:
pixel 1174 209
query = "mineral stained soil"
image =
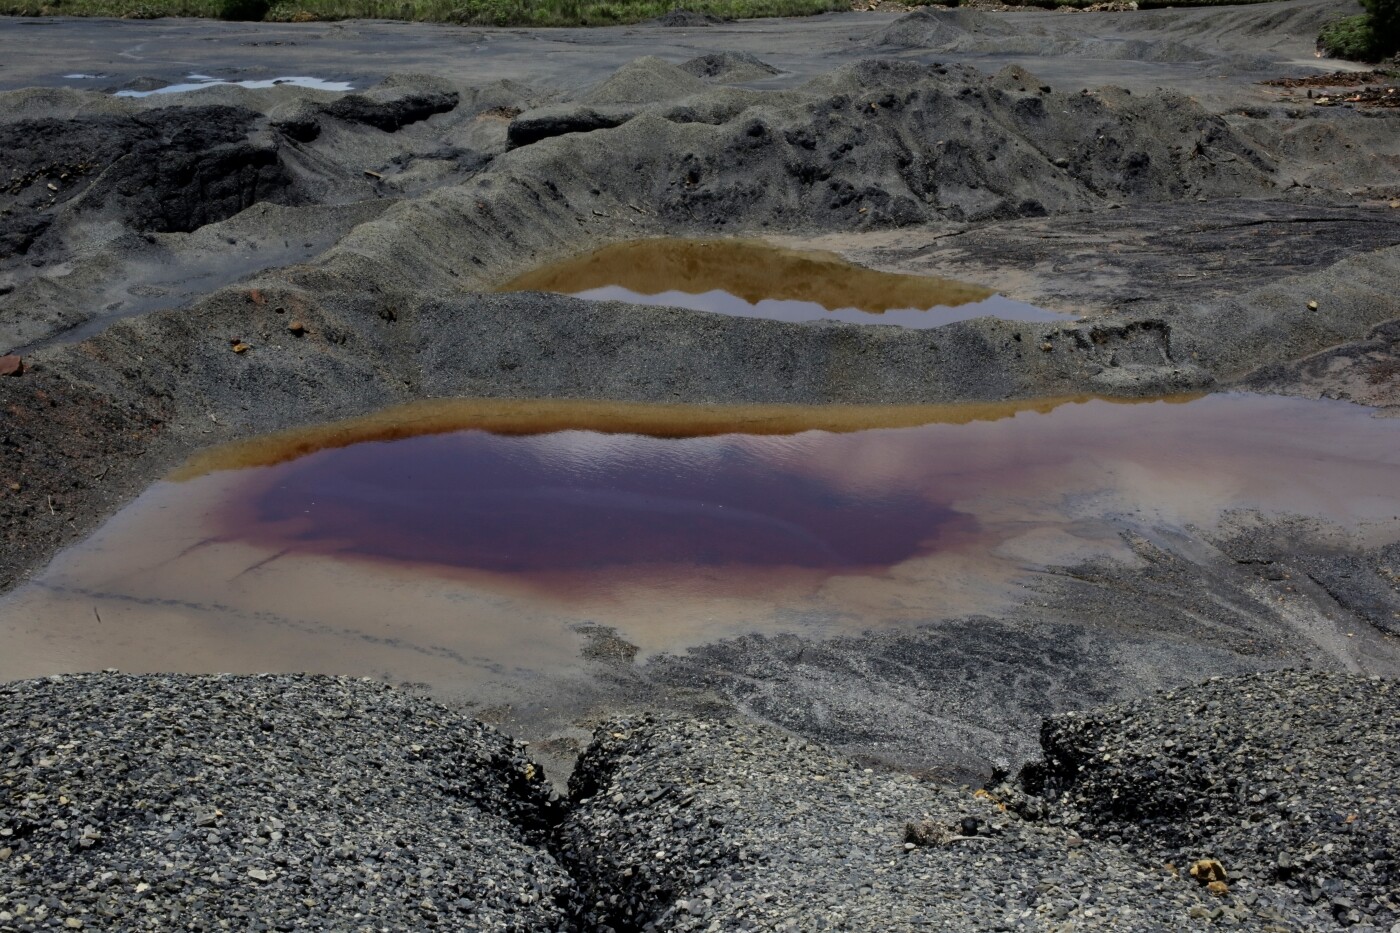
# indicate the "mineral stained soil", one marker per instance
pixel 749 278
pixel 187 269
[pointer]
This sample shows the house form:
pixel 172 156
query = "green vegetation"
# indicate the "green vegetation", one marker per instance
pixel 483 12
pixel 475 12
pixel 1369 37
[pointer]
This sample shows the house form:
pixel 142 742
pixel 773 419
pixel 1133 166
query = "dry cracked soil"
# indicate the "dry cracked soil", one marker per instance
pixel 179 270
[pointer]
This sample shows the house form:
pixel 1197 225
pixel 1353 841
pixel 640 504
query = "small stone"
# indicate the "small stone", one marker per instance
pixel 1312 305
pixel 11 365
pixel 1047 346
pixel 73 923
pixel 259 874
pixel 241 348
pixel 927 833
pixel 297 328
pixel 1207 870
pixel 1218 888
pixel 1395 205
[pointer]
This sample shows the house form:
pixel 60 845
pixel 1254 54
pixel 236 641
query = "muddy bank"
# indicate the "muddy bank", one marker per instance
pixel 955 697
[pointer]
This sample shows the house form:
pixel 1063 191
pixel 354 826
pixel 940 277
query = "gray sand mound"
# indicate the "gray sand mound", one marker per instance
pixel 730 66
pixel 644 81
pixel 1245 27
pixel 976 33
pixel 937 28
pixel 971 32
pixel 1291 780
pixel 1015 79
pixel 270 802
pixel 684 825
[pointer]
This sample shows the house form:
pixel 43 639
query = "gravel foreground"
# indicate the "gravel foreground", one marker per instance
pixel 264 803
pixel 1287 778
pixel 297 802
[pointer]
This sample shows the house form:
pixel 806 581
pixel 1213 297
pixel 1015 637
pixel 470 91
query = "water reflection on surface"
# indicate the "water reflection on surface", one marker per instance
pixel 749 278
pixel 466 542
pixel 198 82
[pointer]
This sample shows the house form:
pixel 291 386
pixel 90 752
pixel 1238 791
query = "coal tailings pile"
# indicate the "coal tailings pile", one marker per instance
pixel 145 803
pixel 1287 779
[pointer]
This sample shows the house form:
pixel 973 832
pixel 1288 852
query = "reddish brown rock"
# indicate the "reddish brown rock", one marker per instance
pixel 11 365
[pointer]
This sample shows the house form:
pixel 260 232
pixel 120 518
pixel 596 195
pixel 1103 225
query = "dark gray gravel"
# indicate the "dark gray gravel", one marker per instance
pixel 727 825
pixel 1290 779
pixel 264 803
pixel 292 802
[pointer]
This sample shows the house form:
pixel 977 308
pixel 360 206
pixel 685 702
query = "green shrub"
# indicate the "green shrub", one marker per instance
pixel 1349 38
pixel 1369 37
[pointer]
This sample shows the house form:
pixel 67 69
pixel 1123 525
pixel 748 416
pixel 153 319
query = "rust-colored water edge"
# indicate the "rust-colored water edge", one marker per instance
pixel 545 416
pixel 472 543
pixel 750 278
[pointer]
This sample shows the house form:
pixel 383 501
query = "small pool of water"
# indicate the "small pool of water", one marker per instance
pixel 466 543
pixel 749 278
pixel 198 82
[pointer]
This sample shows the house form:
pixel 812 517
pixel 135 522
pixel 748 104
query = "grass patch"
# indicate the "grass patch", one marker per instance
pixel 473 12
pixel 1369 37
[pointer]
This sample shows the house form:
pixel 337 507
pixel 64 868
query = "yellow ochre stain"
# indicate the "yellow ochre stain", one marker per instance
pixel 545 416
pixel 749 269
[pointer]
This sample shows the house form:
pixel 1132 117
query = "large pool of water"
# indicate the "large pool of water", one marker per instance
pixel 459 543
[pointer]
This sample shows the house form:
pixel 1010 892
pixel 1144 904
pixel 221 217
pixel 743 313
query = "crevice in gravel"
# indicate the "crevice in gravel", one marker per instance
pixel 271 802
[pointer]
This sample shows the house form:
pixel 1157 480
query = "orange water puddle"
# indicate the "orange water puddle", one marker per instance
pixel 750 278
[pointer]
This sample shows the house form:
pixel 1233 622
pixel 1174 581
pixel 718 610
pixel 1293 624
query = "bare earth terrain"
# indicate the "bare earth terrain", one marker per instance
pixel 1211 233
